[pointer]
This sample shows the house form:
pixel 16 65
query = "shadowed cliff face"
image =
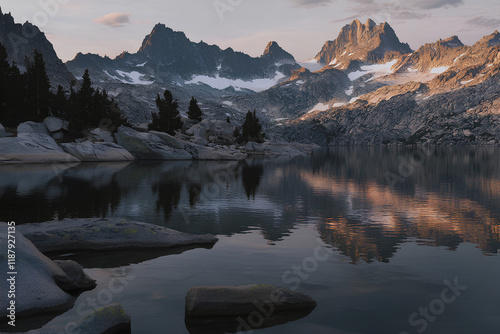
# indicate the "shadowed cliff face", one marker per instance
pixel 21 41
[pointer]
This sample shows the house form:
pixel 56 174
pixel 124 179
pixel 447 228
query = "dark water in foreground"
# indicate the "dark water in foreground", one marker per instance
pixel 379 238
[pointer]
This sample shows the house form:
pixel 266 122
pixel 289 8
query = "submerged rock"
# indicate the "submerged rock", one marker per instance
pixel 243 300
pixel 106 234
pixel 32 147
pixel 88 151
pixel 41 285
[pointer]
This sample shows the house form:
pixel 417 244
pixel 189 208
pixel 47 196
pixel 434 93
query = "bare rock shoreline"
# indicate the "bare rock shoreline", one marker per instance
pixel 39 143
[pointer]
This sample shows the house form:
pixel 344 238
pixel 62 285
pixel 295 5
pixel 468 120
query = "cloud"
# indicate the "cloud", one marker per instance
pixel 311 3
pixel 114 20
pixel 434 4
pixel 485 22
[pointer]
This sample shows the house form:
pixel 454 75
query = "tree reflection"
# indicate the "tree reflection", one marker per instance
pixel 169 195
pixel 251 176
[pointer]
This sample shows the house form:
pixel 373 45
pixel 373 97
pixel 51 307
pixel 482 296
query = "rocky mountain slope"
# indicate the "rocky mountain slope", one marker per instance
pixel 21 40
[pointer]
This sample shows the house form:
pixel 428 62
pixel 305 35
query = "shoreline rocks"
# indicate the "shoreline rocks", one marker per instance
pixel 106 234
pixel 95 152
pixel 33 148
pixel 35 143
pixel 44 286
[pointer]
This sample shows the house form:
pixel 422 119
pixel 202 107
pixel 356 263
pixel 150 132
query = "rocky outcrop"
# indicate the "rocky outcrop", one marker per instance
pixel 106 234
pixel 32 127
pixel 54 124
pixel 443 53
pixel 2 132
pixel 365 42
pixel 161 146
pixel 88 151
pixel 33 148
pixel 148 146
pixel 101 135
pixel 467 116
pixel 298 95
pixel 212 131
pixel 243 300
pixel 41 286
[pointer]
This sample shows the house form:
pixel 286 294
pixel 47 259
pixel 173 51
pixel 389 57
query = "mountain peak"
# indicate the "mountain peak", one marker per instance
pixel 370 23
pixel 453 42
pixel 162 40
pixel 366 42
pixel 275 52
pixel 490 40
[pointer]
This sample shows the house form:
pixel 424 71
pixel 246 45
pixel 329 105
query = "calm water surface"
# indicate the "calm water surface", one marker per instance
pixel 398 228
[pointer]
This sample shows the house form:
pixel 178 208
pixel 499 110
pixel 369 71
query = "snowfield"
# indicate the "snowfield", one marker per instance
pixel 319 107
pixel 220 83
pixel 379 70
pixel 132 78
pixel 439 70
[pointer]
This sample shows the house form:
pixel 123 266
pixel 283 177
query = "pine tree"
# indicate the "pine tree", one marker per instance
pixel 194 111
pixel 59 103
pixel 252 129
pixel 38 93
pixel 92 108
pixel 4 84
pixel 168 118
pixel 13 108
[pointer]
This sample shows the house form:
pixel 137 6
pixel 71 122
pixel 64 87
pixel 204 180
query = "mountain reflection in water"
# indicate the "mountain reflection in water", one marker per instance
pixel 447 197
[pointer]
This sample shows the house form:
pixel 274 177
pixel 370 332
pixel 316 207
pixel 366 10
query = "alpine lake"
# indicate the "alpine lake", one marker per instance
pixel 386 240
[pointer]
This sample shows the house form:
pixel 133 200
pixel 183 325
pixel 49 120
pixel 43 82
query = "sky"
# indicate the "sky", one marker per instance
pixel 301 27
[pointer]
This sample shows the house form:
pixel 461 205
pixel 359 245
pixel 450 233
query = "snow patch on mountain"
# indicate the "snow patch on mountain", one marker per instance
pixel 311 64
pixel 132 78
pixel 456 59
pixel 439 70
pixel 377 70
pixel 319 107
pixel 221 83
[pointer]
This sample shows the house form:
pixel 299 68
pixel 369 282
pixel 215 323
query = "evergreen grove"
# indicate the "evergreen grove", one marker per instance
pixel 28 97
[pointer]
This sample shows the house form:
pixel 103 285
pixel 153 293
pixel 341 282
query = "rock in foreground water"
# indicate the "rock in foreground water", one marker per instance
pixel 243 300
pixel 40 286
pixel 106 234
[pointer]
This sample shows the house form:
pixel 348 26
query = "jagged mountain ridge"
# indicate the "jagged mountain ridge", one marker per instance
pixel 21 41
pixel 382 81
pixel 363 42
pixel 169 56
